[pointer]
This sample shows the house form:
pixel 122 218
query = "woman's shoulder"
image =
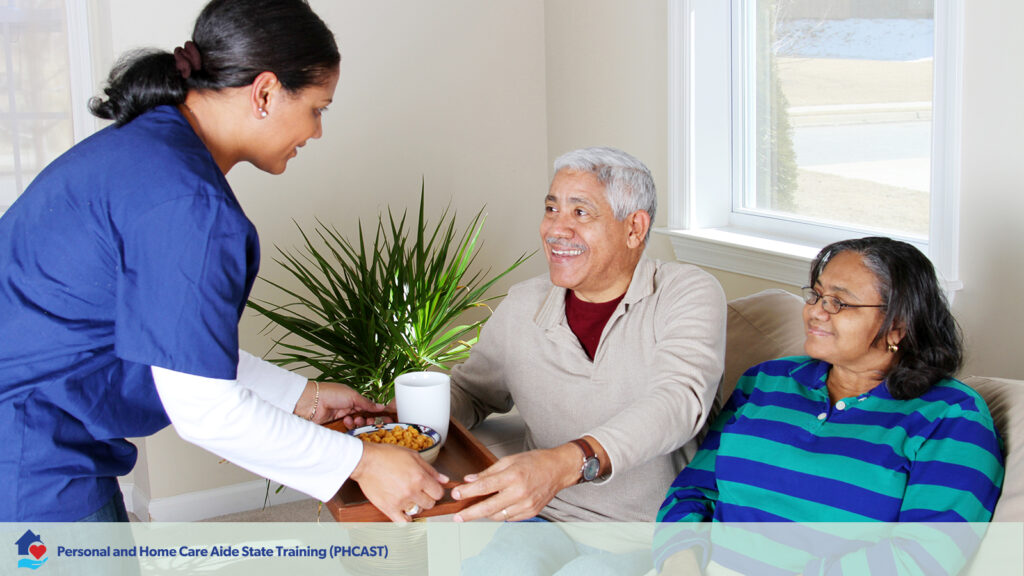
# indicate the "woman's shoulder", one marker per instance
pixel 122 172
pixel 952 398
pixel 790 366
pixel 158 147
pixel 788 372
pixel 158 158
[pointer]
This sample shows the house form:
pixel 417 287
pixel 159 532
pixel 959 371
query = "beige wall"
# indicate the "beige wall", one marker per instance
pixel 992 204
pixel 607 85
pixel 479 97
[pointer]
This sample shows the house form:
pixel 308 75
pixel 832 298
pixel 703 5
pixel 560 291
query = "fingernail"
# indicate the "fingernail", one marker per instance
pixel 457 518
pixel 470 478
pixel 456 495
pixel 445 479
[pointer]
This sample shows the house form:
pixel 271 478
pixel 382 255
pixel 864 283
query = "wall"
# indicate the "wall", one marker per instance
pixel 607 85
pixel 450 92
pixel 992 201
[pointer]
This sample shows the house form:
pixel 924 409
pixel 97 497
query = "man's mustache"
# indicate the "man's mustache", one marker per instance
pixel 565 244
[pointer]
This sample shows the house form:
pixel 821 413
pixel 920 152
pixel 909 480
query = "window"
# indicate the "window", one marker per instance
pixel 796 123
pixel 45 83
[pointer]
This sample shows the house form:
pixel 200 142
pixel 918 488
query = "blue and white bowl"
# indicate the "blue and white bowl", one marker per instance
pixel 429 454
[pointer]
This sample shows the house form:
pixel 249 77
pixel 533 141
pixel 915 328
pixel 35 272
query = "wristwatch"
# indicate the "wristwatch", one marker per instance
pixel 591 465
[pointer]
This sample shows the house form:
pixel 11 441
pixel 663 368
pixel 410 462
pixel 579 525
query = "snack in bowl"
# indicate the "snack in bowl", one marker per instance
pixel 422 439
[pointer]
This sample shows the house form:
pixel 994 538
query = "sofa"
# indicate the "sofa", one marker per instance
pixel 769 325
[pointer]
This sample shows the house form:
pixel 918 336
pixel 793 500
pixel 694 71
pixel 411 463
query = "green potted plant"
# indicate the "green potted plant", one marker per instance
pixel 371 308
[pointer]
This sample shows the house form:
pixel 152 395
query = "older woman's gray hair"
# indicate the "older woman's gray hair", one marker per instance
pixel 628 184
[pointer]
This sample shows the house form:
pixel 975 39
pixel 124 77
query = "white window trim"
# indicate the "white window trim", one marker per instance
pixel 80 70
pixel 700 176
pixel 80 67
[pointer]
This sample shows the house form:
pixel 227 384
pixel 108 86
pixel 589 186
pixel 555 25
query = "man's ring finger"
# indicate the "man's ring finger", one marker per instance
pixel 414 510
pixel 504 512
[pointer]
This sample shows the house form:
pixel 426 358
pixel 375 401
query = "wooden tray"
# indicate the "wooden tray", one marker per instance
pixel 461 454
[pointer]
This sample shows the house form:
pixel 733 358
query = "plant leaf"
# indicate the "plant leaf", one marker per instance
pixel 370 308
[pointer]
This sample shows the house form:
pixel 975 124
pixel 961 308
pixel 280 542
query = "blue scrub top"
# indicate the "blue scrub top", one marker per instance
pixel 128 251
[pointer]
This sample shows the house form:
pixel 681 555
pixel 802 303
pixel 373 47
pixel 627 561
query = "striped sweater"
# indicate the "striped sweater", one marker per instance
pixel 780 451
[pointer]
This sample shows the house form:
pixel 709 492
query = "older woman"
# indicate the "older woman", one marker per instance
pixel 870 425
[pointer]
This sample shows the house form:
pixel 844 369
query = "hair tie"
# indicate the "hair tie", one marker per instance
pixel 187 59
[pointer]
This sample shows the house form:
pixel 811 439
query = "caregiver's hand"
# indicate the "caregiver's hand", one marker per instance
pixel 394 479
pixel 335 401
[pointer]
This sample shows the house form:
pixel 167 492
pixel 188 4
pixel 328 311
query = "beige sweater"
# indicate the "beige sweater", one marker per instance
pixel 645 396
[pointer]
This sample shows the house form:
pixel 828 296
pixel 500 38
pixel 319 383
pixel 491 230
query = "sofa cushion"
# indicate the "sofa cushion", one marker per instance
pixel 761 327
pixel 1005 399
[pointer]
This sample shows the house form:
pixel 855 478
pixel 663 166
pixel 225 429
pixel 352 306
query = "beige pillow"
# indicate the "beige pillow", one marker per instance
pixel 1005 399
pixel 761 327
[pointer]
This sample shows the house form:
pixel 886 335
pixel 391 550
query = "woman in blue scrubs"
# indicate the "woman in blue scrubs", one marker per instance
pixel 125 267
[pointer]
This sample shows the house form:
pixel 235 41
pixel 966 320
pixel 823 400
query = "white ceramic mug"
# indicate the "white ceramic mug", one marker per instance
pixel 424 398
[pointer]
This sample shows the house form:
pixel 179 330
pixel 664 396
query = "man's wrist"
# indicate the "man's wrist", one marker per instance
pixel 569 456
pixel 590 465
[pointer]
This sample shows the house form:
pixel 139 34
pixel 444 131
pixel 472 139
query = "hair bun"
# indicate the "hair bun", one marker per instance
pixel 187 59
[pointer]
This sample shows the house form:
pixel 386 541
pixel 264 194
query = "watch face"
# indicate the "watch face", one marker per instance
pixel 590 469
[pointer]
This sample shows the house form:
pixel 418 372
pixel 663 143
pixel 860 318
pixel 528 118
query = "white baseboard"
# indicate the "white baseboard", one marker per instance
pixel 204 504
pixel 136 500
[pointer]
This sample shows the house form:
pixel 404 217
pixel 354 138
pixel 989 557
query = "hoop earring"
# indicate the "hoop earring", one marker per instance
pixel 893 348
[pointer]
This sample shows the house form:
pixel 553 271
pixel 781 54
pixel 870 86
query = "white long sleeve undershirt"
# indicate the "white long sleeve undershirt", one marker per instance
pixel 249 422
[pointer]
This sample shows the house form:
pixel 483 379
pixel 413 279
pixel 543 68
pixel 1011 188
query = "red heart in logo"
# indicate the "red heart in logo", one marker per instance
pixel 37 550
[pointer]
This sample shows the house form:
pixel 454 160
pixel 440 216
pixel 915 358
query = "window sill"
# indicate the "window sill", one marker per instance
pixel 743 253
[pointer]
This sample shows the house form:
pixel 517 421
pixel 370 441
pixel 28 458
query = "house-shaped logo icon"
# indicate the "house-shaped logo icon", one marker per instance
pixel 31 551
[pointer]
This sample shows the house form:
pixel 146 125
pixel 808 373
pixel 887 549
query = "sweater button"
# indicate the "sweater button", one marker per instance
pixel 822 416
pixel 840 405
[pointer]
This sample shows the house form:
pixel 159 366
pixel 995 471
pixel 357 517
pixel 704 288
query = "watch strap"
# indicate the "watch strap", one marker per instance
pixel 588 452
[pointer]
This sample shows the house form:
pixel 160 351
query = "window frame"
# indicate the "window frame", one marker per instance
pixel 80 68
pixel 702 226
pixel 80 76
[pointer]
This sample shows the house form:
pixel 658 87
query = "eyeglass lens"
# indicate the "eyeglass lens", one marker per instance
pixel 831 304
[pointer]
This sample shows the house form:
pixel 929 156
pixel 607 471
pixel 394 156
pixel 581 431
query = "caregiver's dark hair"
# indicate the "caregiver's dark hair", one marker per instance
pixel 236 41
pixel 932 345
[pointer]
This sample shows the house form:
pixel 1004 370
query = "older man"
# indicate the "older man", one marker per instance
pixel 612 359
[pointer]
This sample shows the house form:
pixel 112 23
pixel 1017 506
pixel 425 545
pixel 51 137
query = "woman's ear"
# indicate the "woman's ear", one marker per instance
pixel 264 91
pixel 895 335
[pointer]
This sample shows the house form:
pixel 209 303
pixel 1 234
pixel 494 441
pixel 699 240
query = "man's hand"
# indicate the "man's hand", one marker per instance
pixel 521 484
pixel 335 401
pixel 394 479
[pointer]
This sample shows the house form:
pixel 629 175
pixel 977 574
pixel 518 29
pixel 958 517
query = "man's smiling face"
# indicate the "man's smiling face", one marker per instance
pixel 588 250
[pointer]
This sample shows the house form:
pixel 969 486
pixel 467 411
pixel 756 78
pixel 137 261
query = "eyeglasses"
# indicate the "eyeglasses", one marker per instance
pixel 831 304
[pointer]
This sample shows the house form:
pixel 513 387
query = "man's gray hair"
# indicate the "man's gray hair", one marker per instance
pixel 628 184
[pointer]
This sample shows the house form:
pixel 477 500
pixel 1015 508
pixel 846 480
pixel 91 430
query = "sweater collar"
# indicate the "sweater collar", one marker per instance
pixel 552 310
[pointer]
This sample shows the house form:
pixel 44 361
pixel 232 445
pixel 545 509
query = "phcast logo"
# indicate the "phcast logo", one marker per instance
pixel 31 547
